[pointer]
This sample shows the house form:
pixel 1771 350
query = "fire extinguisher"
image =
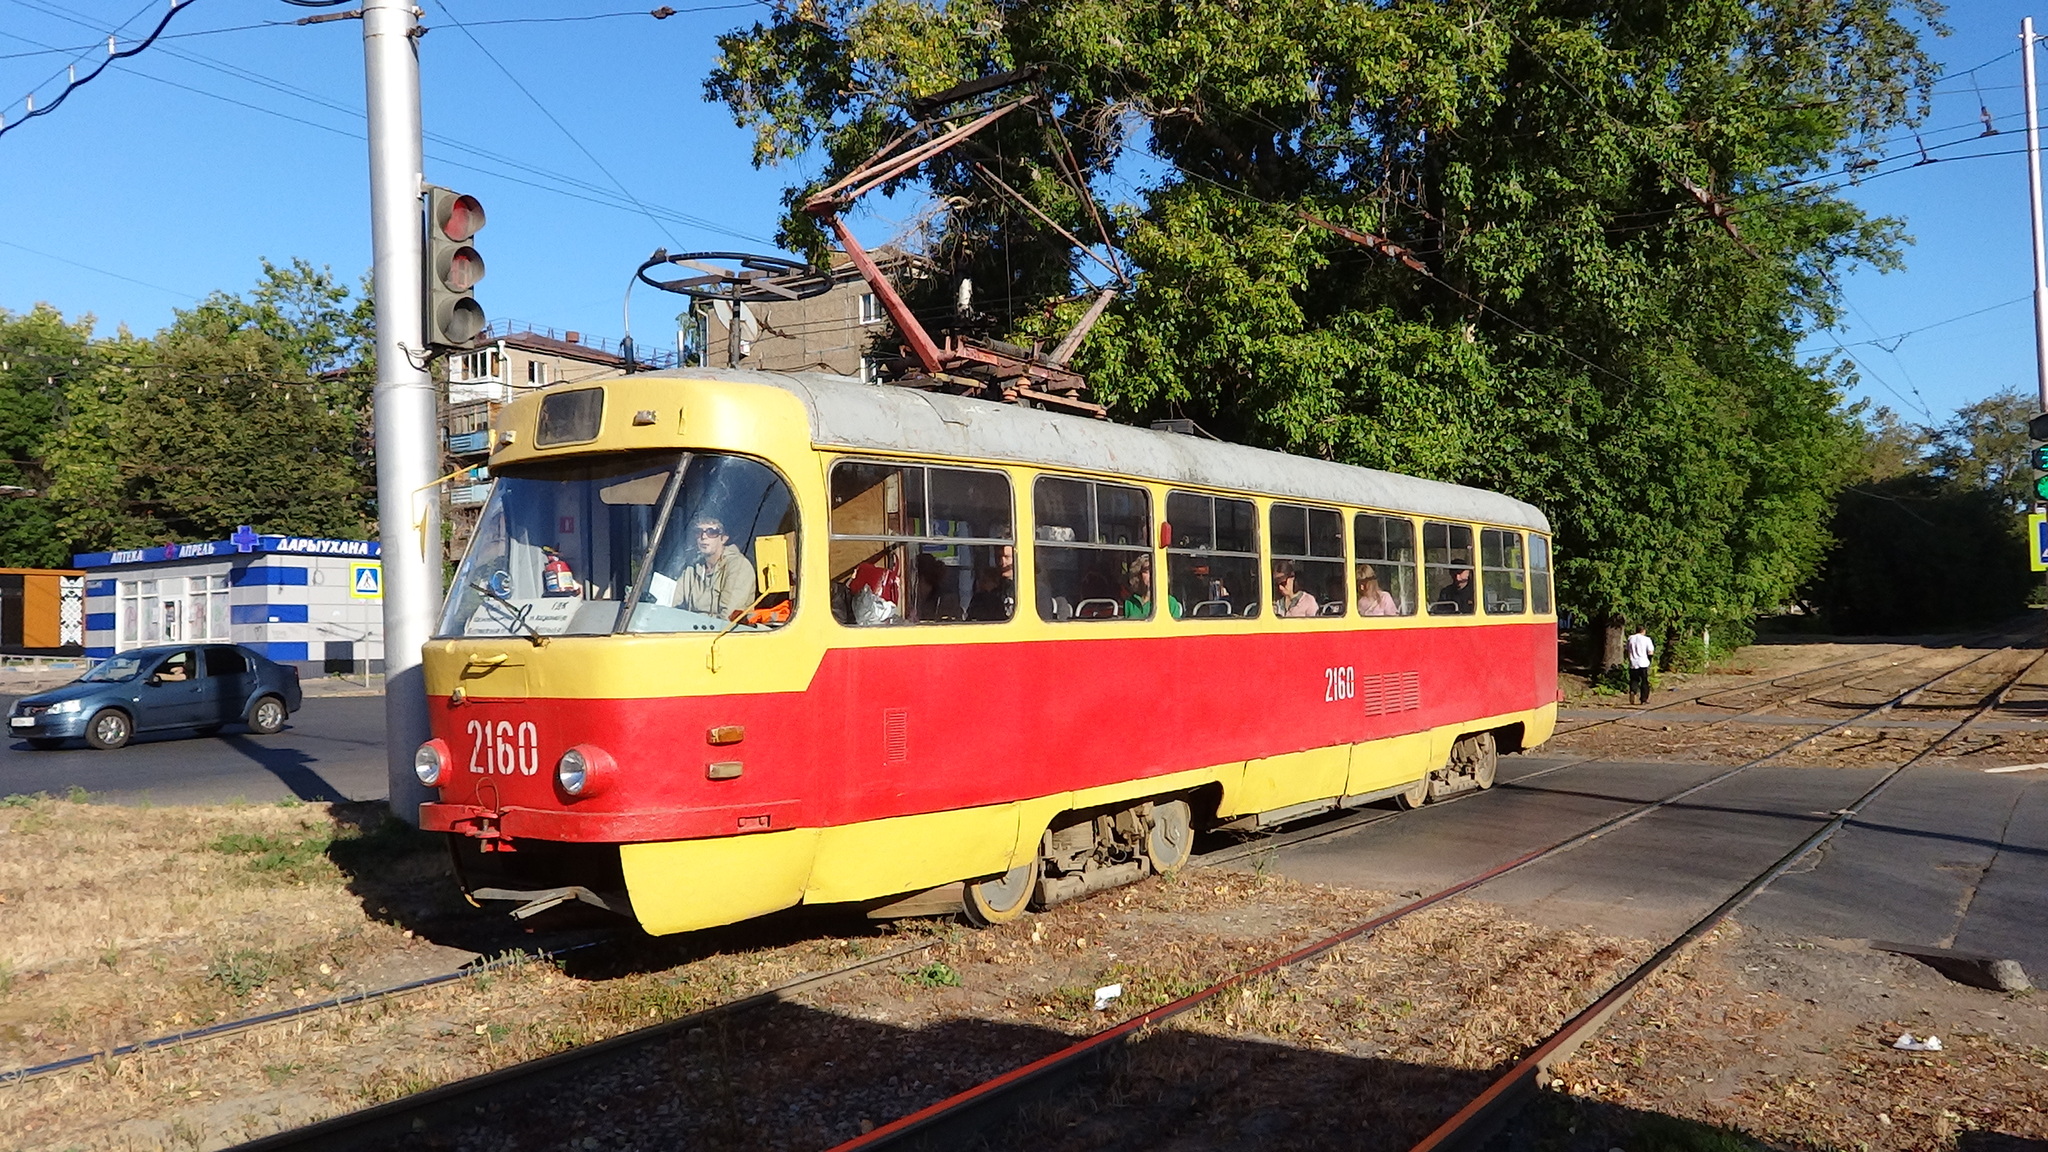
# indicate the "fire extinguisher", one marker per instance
pixel 555 577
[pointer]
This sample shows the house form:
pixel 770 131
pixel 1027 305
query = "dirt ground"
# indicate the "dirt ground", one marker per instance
pixel 1790 1042
pixel 118 924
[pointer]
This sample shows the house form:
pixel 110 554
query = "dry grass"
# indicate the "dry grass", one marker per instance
pixel 1712 1039
pixel 118 924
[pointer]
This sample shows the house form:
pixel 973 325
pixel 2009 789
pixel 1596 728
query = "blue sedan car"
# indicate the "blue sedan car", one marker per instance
pixel 199 688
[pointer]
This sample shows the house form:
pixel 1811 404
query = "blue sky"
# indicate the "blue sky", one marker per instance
pixel 177 170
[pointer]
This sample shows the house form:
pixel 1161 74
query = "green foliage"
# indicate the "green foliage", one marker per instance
pixel 934 975
pixel 287 858
pixel 1614 280
pixel 243 971
pixel 248 409
pixel 1930 531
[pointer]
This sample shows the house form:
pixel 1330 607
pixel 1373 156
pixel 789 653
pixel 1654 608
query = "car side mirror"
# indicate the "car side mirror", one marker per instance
pixel 771 565
pixel 155 680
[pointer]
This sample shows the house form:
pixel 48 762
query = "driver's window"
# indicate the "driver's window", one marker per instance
pixel 176 668
pixel 728 542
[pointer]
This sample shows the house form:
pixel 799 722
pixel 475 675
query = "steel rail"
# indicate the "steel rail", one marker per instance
pixel 1751 686
pixel 398 1118
pixel 948 1120
pixel 1483 1116
pixel 228 1027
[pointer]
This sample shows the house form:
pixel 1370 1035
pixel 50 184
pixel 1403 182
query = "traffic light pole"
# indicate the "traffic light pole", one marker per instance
pixel 408 444
pixel 2034 201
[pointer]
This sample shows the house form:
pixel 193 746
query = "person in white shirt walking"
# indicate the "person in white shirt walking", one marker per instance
pixel 1640 649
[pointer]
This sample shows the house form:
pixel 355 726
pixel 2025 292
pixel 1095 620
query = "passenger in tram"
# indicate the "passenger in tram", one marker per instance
pixel 720 580
pixel 995 589
pixel 1457 592
pixel 1374 600
pixel 1138 597
pixel 932 602
pixel 1289 598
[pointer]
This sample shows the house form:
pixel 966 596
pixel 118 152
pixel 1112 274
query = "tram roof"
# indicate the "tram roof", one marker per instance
pixel 849 414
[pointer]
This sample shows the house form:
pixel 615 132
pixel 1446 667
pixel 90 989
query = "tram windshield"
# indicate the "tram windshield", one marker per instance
pixel 564 545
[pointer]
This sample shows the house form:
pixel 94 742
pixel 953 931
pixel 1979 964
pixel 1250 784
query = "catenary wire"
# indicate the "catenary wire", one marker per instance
pixel 75 85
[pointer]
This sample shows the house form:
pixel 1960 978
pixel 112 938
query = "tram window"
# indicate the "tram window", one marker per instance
pixel 1386 565
pixel 918 545
pixel 1447 568
pixel 1094 550
pixel 1308 560
pixel 1212 559
pixel 1539 573
pixel 722 516
pixel 1502 585
pixel 563 545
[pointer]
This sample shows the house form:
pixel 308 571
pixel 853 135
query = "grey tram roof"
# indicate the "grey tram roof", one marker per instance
pixel 847 413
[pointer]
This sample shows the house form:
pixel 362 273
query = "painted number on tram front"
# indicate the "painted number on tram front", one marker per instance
pixel 503 747
pixel 1339 684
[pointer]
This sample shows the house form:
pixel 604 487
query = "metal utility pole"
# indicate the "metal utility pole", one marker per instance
pixel 408 447
pixel 2034 194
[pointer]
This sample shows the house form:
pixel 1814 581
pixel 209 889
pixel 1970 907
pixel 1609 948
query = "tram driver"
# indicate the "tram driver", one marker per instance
pixel 719 581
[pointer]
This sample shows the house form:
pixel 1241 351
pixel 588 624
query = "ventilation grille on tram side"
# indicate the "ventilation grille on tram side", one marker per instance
pixel 1390 692
pixel 896 736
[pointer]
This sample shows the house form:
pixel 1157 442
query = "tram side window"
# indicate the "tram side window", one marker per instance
pixel 1447 568
pixel 1386 565
pixel 1539 573
pixel 1308 560
pixel 1094 550
pixel 920 545
pixel 1212 559
pixel 1502 584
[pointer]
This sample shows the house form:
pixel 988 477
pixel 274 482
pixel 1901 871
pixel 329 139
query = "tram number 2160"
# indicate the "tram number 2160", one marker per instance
pixel 1339 684
pixel 504 747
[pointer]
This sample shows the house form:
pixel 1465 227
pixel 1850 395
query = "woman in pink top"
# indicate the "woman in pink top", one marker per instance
pixel 1288 598
pixel 1374 600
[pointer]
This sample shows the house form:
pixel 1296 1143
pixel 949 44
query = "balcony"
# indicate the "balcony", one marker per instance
pixel 469 495
pixel 477 443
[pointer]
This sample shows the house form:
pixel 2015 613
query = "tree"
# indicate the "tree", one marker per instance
pixel 1612 207
pixel 1928 532
pixel 245 410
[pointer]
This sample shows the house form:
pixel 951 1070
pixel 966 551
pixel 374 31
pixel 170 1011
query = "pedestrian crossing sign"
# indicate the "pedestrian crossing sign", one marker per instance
pixel 366 581
pixel 2037 542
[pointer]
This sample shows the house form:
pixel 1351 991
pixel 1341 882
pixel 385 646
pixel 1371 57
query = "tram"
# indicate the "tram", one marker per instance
pixel 726 642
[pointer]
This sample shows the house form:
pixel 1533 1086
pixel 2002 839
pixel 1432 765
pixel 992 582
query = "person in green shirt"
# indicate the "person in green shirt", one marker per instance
pixel 1138 579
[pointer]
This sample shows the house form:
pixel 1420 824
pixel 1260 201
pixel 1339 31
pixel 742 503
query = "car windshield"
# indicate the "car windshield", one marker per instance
pixel 114 669
pixel 563 545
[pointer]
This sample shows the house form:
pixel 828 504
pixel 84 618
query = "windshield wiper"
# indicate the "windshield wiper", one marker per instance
pixel 519 611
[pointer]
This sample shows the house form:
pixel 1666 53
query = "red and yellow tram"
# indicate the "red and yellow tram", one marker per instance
pixel 726 642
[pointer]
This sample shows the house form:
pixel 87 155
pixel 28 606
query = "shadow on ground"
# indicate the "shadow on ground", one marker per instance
pixel 790 1076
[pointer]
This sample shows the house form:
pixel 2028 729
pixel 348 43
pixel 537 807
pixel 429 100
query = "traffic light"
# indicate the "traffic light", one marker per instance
pixel 453 268
pixel 2037 429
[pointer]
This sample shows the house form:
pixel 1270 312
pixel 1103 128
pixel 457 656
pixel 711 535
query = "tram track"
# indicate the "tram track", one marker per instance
pixel 463 1101
pixel 2009 633
pixel 960 1119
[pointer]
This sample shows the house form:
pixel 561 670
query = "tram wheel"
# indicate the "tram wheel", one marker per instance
pixel 1002 898
pixel 1170 835
pixel 1485 759
pixel 1416 796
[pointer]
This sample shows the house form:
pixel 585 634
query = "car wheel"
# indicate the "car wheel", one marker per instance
pixel 45 743
pixel 109 728
pixel 266 716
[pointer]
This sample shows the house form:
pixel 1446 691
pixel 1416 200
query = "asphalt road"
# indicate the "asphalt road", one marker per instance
pixel 332 749
pixel 1947 856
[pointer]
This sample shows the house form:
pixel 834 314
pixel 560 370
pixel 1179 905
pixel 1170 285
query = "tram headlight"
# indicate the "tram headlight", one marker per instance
pixel 430 761
pixel 584 771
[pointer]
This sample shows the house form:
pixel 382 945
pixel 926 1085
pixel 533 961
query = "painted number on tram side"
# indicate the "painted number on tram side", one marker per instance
pixel 503 747
pixel 1339 684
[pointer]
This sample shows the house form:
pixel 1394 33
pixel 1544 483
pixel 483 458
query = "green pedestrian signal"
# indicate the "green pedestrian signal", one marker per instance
pixel 2041 487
